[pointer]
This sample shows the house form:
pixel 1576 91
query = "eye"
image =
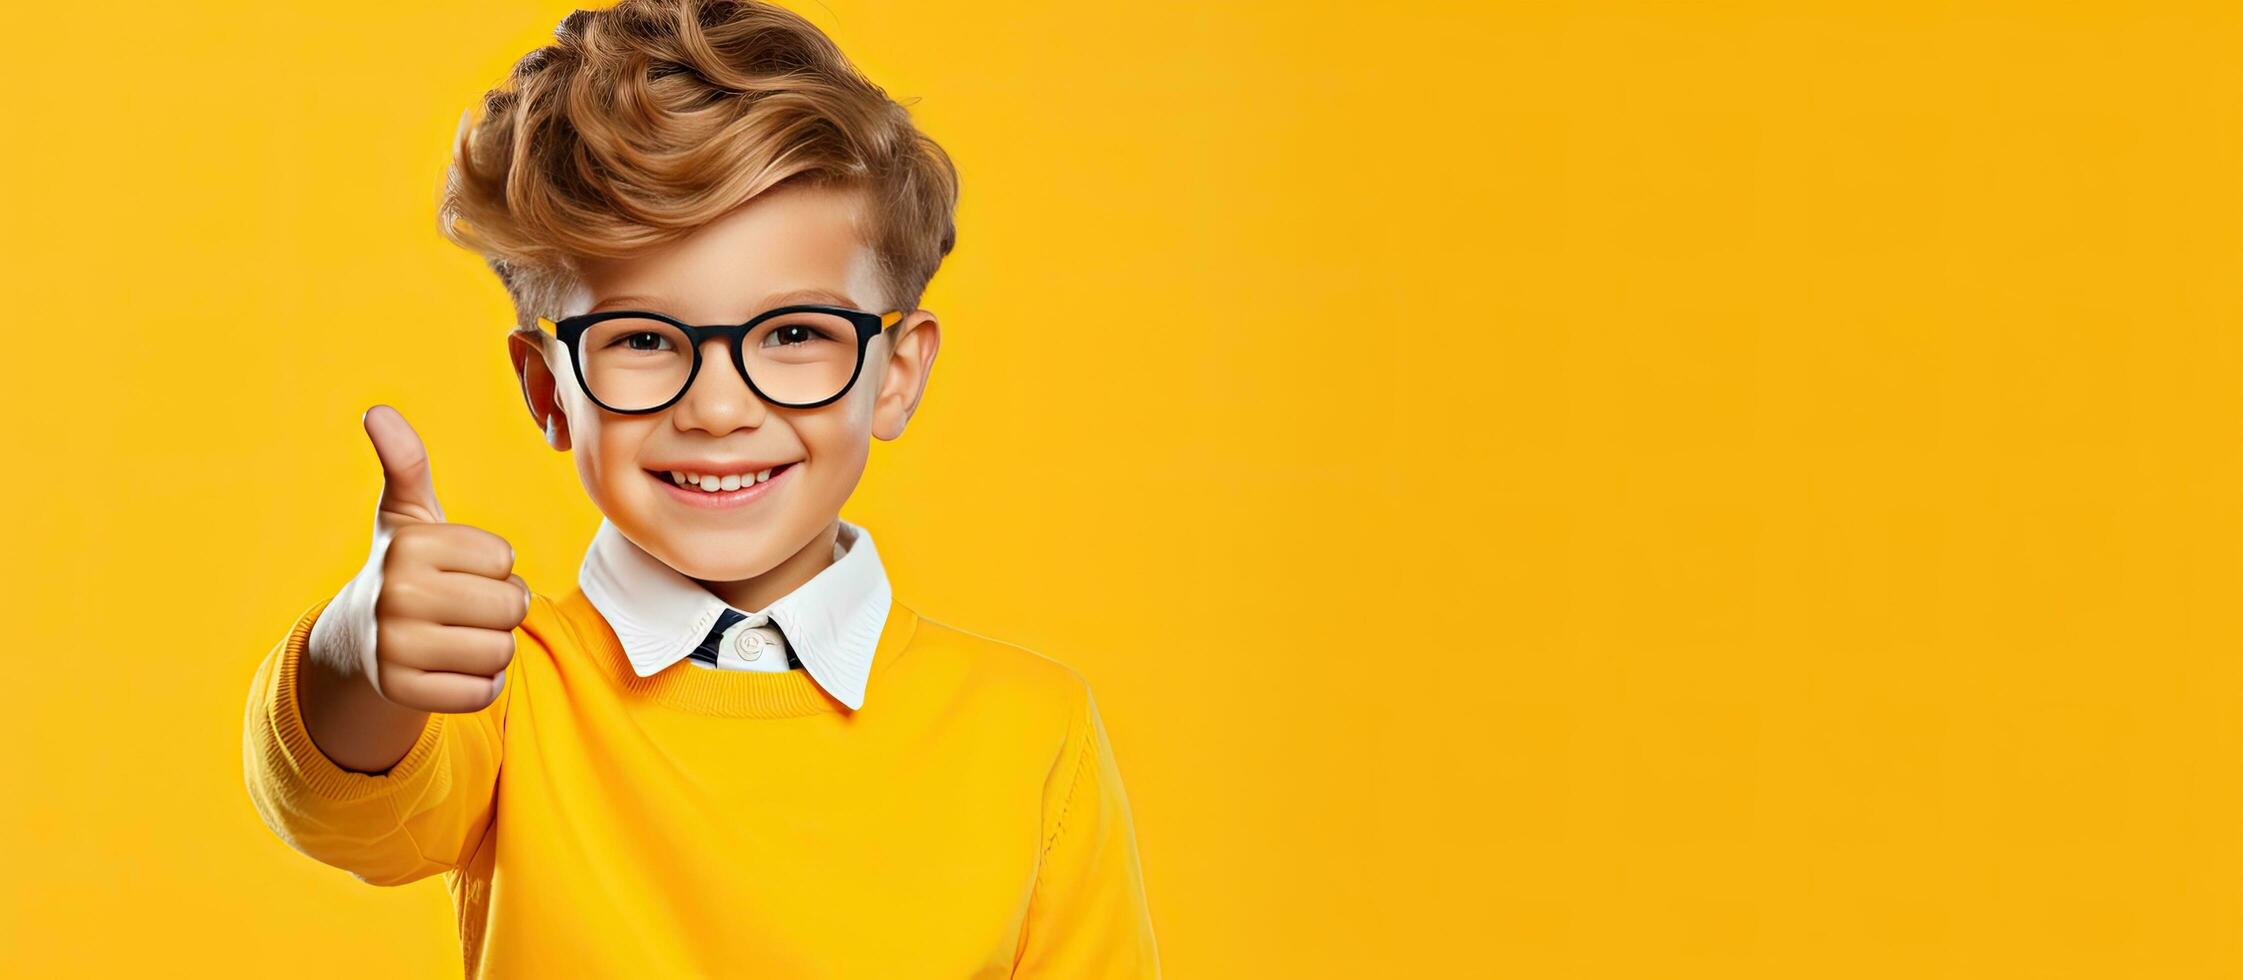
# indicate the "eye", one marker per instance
pixel 801 334
pixel 792 335
pixel 633 341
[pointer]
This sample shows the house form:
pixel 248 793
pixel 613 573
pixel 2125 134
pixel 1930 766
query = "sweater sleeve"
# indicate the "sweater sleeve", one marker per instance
pixel 420 817
pixel 1087 917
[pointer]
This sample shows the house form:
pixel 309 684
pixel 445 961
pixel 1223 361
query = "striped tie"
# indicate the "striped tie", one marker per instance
pixel 707 651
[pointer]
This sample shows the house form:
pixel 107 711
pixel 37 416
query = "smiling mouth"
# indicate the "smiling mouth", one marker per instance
pixel 710 483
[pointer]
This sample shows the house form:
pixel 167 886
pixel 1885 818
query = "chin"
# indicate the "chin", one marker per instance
pixel 714 557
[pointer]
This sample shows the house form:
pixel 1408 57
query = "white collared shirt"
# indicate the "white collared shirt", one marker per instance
pixel 830 624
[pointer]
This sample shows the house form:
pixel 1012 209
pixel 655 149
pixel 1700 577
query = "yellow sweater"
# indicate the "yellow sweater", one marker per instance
pixel 969 822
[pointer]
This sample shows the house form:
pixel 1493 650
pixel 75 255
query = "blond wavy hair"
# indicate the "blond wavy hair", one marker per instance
pixel 645 120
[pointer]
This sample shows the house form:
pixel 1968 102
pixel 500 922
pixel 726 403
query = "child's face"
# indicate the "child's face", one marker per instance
pixel 766 254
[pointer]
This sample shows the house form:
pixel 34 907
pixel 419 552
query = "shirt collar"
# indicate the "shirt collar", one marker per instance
pixel 833 621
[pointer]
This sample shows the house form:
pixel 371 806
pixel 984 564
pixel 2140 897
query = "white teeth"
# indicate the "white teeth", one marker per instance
pixel 711 483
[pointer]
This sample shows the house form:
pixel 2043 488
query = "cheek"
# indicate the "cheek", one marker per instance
pixel 607 462
pixel 838 442
pixel 838 452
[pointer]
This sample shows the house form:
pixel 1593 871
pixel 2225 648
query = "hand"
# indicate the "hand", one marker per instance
pixel 429 621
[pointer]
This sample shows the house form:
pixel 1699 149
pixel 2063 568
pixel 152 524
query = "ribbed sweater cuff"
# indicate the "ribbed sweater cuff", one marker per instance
pixel 292 751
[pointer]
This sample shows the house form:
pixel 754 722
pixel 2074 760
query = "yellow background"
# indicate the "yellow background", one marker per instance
pixel 1640 490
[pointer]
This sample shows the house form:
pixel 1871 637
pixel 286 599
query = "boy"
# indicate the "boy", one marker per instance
pixel 729 750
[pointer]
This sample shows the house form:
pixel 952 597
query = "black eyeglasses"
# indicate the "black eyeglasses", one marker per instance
pixel 635 362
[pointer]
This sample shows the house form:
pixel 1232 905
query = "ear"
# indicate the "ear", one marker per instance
pixel 526 348
pixel 910 361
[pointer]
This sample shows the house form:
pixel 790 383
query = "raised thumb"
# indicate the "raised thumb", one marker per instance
pixel 408 491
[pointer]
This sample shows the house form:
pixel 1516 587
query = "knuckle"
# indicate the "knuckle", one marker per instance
pixel 410 538
pixel 403 589
pixel 386 676
pixel 415 546
pixel 399 594
pixel 398 555
pixel 391 639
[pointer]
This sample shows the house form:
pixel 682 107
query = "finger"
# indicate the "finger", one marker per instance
pixel 527 596
pixel 456 599
pixel 458 649
pixel 454 548
pixel 408 489
pixel 437 690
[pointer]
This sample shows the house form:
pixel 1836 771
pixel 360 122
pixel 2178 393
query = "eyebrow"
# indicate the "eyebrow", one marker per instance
pixel 789 298
pixel 815 295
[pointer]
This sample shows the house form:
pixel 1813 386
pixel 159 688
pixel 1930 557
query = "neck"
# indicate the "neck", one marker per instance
pixel 758 592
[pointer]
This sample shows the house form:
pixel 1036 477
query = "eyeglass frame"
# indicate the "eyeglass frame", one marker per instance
pixel 569 330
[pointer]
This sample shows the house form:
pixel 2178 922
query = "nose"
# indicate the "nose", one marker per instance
pixel 719 399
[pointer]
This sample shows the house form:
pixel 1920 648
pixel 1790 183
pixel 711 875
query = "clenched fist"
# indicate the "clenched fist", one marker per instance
pixel 429 621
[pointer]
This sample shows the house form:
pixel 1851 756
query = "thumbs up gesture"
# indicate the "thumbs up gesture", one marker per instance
pixel 429 621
